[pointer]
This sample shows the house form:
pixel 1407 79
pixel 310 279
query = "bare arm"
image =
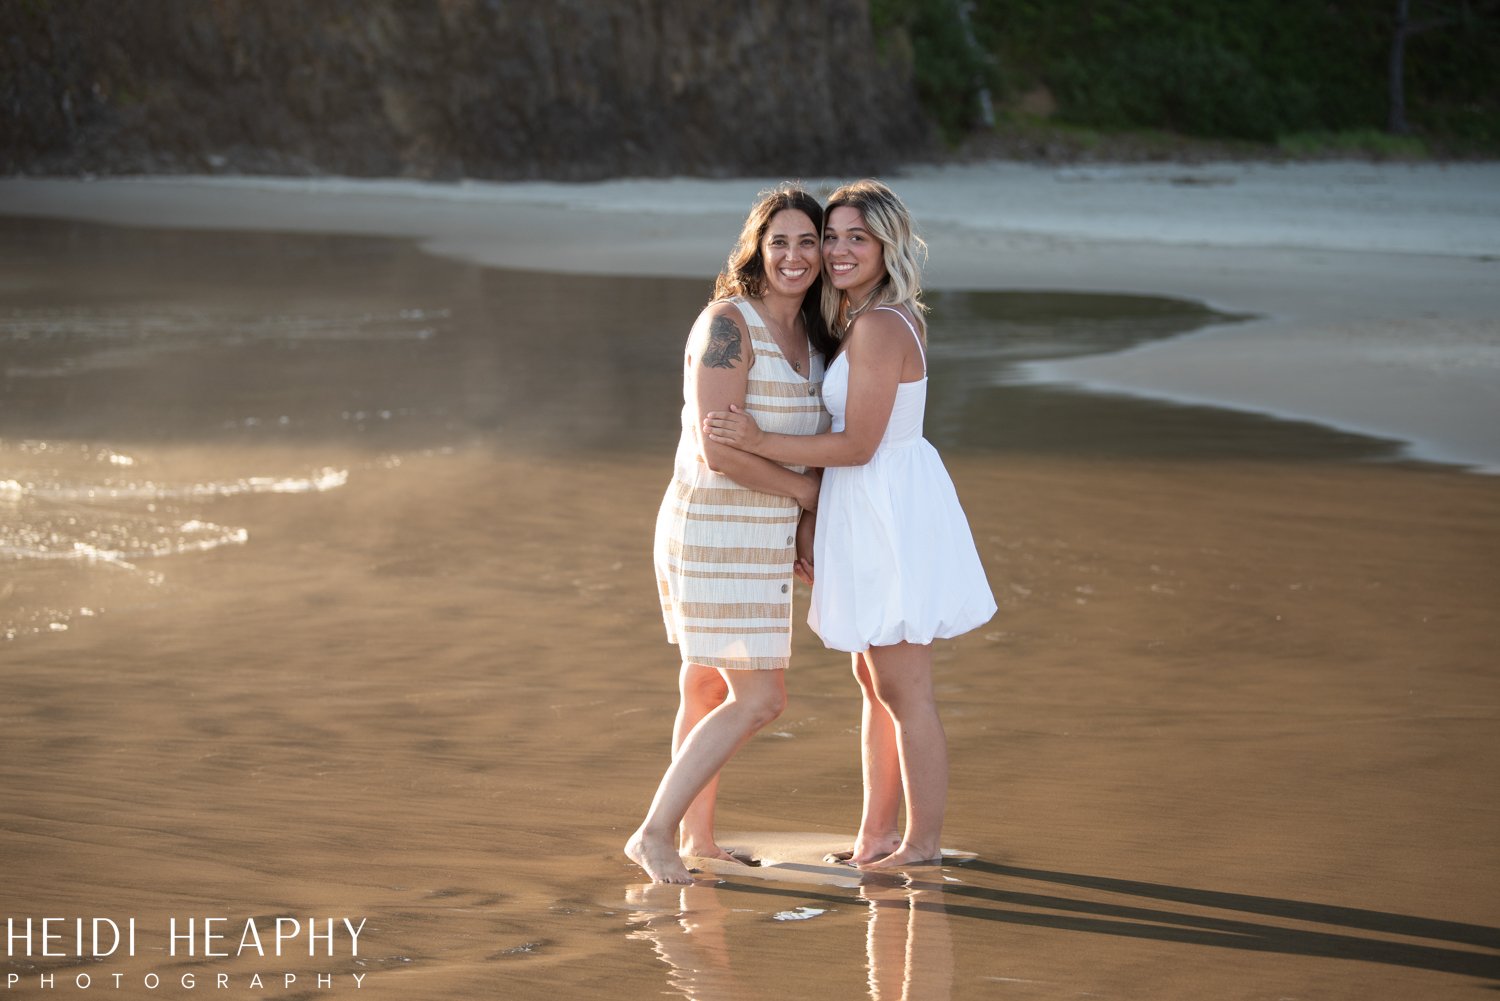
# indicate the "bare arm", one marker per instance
pixel 719 360
pixel 802 566
pixel 881 354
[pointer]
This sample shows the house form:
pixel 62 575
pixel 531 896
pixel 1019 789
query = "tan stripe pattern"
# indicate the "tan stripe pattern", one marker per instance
pixel 703 610
pixel 735 630
pixel 734 494
pixel 723 552
pixel 678 570
pixel 714 555
pixel 766 520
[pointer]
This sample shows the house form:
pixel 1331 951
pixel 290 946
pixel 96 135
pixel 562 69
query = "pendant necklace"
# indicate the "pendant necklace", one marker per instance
pixel 850 315
pixel 781 341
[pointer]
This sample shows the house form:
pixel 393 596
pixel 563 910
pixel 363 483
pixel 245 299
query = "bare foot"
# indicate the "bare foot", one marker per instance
pixel 713 851
pixel 904 857
pixel 738 856
pixel 864 852
pixel 658 858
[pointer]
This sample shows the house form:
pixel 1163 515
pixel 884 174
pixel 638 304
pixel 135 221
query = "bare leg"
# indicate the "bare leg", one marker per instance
pixel 702 690
pixel 902 676
pixel 880 764
pixel 755 699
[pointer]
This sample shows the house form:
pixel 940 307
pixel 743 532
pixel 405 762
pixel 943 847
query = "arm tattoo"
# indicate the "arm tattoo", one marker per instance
pixel 723 344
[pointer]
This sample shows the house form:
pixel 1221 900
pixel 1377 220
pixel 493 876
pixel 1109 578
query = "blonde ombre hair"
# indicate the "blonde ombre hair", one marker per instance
pixel 902 250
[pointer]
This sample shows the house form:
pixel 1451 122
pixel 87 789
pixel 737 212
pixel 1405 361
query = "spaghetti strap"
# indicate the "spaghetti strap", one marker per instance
pixel 913 329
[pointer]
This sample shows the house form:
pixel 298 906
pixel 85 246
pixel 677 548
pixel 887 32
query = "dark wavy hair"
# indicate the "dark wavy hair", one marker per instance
pixel 745 271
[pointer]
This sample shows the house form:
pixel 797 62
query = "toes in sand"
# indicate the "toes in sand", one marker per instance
pixel 862 855
pixel 713 851
pixel 658 858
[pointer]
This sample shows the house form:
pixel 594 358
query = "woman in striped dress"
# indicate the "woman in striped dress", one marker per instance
pixel 729 528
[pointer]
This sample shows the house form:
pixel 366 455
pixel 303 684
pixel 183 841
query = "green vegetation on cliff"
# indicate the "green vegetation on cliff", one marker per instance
pixel 1257 70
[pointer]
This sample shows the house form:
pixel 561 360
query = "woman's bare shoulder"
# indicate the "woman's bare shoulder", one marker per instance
pixel 879 330
pixel 720 309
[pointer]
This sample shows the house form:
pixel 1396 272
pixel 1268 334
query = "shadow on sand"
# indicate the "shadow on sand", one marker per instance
pixel 1338 937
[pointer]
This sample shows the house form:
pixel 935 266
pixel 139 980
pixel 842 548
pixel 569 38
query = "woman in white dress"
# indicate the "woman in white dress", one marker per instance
pixel 894 562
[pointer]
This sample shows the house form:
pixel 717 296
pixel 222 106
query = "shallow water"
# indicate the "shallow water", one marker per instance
pixel 254 338
pixel 326 593
pixel 116 343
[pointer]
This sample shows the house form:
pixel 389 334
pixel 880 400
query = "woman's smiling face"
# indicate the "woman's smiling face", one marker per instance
pixel 791 252
pixel 852 256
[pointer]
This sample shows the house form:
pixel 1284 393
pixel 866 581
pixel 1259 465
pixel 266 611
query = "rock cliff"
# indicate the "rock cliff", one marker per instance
pixel 562 89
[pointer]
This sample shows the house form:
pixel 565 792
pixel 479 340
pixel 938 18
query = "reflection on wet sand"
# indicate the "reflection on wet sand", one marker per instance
pixel 685 925
pixel 908 945
pixel 909 949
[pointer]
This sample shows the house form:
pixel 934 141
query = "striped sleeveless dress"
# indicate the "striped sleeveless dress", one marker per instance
pixel 724 552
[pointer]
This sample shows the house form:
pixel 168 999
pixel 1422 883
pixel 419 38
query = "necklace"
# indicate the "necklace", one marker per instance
pixel 850 315
pixel 784 340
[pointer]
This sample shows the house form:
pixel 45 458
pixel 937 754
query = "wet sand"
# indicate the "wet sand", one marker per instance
pixel 1232 733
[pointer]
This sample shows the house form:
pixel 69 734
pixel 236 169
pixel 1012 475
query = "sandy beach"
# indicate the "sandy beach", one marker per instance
pixel 1232 733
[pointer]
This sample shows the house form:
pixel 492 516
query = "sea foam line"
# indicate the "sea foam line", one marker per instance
pixel 325 479
pixel 84 552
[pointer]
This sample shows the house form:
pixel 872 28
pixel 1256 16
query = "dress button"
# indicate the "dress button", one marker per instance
pixel 784 589
pixel 812 391
pixel 790 539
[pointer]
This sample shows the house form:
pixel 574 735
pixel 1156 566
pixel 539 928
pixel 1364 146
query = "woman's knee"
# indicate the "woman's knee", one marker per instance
pixel 702 685
pixel 764 700
pixel 768 706
pixel 903 691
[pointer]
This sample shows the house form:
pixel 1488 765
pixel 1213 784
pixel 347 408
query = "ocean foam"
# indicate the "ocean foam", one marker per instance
pixel 322 480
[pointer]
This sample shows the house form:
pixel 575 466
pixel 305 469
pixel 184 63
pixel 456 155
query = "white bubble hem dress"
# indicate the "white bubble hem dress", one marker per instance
pixel 893 557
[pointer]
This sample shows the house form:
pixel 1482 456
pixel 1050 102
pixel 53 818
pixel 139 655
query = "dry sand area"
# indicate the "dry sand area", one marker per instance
pixel 1232 734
